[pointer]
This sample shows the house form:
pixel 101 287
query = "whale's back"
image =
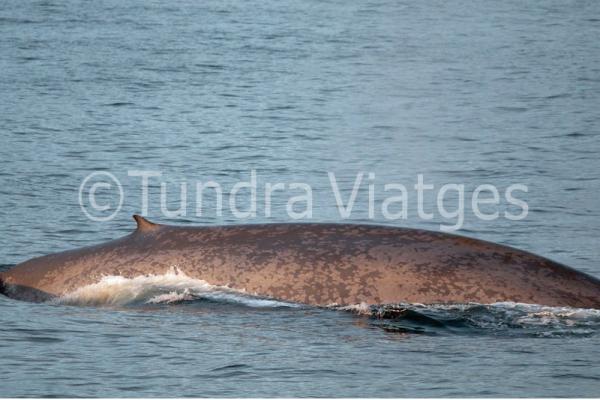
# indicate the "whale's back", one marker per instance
pixel 319 264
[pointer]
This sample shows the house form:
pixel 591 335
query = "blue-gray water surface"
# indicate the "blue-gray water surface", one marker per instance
pixel 489 92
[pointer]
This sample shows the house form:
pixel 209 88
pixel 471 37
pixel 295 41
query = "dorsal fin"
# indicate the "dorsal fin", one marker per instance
pixel 143 225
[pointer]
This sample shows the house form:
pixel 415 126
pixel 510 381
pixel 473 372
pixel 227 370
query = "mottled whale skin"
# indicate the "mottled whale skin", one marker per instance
pixel 317 264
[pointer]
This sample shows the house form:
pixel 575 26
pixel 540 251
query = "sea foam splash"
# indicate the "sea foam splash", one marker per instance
pixel 497 318
pixel 171 287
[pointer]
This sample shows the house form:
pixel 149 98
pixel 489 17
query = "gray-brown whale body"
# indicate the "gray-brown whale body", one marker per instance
pixel 318 264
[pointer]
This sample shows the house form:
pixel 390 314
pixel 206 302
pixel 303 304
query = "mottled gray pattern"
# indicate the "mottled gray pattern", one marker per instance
pixel 318 264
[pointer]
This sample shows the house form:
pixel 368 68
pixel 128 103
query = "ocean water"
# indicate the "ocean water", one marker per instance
pixel 467 93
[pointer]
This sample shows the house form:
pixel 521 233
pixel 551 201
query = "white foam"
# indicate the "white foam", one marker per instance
pixel 537 308
pixel 171 297
pixel 361 308
pixel 535 314
pixel 171 287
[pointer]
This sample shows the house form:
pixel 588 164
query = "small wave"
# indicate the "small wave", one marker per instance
pixel 172 287
pixel 504 318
